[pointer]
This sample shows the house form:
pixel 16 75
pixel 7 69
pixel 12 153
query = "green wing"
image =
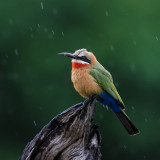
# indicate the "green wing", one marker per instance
pixel 104 79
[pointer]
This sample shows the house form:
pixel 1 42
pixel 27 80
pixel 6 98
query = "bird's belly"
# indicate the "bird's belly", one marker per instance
pixel 84 83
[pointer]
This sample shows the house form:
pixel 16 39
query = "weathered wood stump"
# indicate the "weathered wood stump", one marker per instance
pixel 69 136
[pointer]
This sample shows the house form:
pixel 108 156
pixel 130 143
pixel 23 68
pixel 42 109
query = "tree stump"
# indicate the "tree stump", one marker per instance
pixel 68 136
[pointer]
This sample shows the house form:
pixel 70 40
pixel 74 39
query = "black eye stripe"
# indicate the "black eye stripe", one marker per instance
pixel 84 58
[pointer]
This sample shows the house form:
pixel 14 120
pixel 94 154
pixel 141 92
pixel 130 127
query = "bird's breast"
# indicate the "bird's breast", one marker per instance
pixel 84 83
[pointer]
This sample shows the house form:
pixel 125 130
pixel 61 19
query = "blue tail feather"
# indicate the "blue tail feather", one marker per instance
pixel 107 100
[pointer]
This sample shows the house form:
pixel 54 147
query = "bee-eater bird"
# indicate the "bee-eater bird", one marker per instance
pixel 90 77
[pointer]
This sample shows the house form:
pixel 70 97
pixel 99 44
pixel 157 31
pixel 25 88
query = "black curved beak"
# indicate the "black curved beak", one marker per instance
pixel 75 56
pixel 68 55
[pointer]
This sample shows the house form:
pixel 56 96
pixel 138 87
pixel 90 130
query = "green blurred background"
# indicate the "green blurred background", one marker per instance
pixel 35 82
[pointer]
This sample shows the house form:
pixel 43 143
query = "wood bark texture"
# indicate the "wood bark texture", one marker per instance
pixel 68 136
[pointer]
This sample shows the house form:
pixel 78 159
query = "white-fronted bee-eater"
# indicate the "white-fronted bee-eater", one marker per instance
pixel 90 77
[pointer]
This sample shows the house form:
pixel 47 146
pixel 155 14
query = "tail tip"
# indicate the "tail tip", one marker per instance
pixel 135 133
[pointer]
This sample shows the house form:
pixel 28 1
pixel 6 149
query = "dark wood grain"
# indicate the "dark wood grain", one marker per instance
pixel 68 136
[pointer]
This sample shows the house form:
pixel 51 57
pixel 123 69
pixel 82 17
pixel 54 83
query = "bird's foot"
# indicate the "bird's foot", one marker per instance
pixel 94 96
pixel 90 99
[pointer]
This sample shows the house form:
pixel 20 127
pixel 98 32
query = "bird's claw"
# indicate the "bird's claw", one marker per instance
pixel 93 96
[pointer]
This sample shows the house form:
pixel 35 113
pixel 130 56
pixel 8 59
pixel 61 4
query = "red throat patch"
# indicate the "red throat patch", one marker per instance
pixel 78 65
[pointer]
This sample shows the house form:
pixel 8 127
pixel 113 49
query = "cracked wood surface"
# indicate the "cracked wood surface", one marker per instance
pixel 68 136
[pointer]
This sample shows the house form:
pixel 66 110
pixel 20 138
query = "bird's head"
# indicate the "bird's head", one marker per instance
pixel 81 58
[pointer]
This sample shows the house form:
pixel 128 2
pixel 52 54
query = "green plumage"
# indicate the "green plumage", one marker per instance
pixel 104 79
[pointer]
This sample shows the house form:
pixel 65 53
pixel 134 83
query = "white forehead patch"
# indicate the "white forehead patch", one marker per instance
pixel 79 61
pixel 80 51
pixel 81 54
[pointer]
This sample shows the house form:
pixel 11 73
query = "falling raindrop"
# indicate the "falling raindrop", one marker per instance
pixel 106 13
pixel 53 32
pixel 16 52
pixel 42 5
pixel 62 34
pixel 135 43
pixel 112 48
pixel 39 26
pixel 34 123
pixel 156 38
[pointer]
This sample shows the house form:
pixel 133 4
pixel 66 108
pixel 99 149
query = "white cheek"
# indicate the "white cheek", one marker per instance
pixel 79 61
